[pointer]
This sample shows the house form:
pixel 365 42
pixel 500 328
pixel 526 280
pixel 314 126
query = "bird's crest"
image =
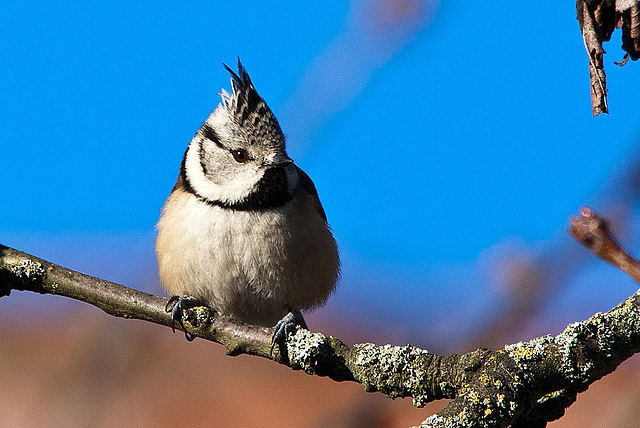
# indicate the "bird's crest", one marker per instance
pixel 243 100
pixel 247 109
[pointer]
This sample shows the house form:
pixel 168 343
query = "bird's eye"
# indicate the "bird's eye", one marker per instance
pixel 240 155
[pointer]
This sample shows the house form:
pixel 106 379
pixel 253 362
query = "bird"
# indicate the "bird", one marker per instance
pixel 243 230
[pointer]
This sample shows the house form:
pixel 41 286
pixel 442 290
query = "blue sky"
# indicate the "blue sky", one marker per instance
pixel 434 136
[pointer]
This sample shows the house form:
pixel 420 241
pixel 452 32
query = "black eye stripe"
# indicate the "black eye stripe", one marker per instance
pixel 210 134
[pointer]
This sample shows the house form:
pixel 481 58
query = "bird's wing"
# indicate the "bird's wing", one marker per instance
pixel 307 185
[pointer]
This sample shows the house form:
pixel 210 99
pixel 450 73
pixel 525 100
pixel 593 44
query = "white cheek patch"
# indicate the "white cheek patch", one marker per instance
pixel 230 192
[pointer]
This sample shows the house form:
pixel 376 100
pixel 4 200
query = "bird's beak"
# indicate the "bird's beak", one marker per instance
pixel 280 160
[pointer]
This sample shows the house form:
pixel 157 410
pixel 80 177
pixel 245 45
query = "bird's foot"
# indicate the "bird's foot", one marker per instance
pixel 285 328
pixel 177 305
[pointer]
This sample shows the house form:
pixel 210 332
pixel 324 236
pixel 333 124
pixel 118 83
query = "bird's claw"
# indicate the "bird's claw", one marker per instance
pixel 177 305
pixel 285 328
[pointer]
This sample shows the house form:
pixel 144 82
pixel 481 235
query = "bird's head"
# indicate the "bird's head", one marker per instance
pixel 238 159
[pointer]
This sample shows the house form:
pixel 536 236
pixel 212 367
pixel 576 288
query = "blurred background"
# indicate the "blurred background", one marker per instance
pixel 449 144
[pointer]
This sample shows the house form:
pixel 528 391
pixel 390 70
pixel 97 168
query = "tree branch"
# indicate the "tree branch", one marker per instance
pixel 526 384
pixel 593 232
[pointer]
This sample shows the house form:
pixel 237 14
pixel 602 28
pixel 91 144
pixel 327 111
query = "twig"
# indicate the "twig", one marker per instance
pixel 532 281
pixel 593 232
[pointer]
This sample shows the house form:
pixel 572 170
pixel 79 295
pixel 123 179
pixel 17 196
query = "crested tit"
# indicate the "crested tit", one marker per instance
pixel 243 230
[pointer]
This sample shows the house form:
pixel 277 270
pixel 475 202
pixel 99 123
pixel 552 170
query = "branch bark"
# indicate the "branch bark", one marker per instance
pixel 525 384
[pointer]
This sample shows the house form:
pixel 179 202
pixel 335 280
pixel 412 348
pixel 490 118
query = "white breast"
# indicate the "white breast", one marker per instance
pixel 254 266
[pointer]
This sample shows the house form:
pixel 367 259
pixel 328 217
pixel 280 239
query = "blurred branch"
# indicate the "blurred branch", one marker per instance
pixel 593 232
pixel 526 384
pixel 598 19
pixel 531 282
